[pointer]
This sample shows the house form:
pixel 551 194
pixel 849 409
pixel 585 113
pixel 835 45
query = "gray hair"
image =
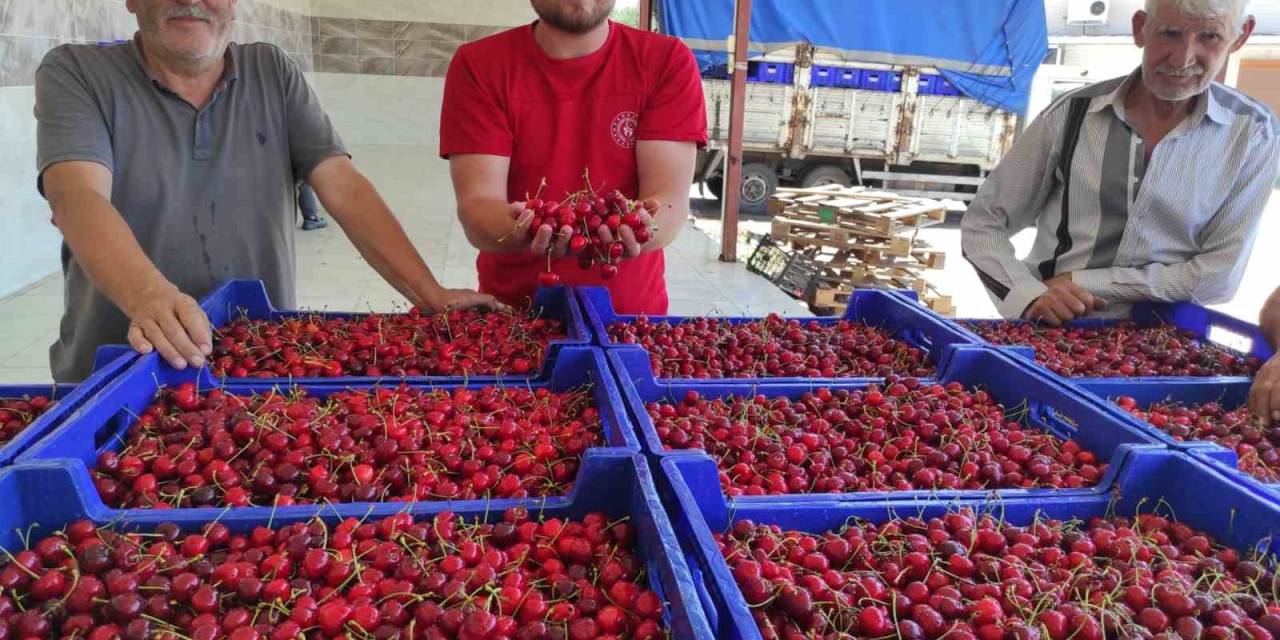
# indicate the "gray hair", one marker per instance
pixel 1235 11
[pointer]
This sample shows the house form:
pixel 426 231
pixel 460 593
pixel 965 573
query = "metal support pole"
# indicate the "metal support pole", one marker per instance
pixel 646 15
pixel 732 188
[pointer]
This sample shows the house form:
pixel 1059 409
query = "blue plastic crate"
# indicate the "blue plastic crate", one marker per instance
pixel 929 84
pixel 900 316
pixel 1051 406
pixel 945 88
pixel 249 297
pixel 109 363
pixel 1231 395
pixel 1192 317
pixel 770 72
pixel 1182 390
pixel 1161 481
pixel 824 76
pixel 880 80
pixel 101 424
pixel 43 497
pixel 848 77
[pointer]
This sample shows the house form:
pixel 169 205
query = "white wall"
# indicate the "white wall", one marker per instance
pixel 485 12
pixel 381 110
pixel 28 240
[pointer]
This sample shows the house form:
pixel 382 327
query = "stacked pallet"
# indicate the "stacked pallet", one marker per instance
pixel 858 238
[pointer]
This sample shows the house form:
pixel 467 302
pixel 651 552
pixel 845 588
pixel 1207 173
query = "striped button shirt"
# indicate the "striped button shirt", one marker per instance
pixel 1180 228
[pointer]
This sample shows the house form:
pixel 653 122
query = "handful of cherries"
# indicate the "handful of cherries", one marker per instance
pixel 581 217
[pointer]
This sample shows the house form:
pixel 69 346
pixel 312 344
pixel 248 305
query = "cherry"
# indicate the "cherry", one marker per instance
pixel 336 579
pixel 400 344
pixel 903 436
pixel 383 444
pixel 770 347
pixel 1120 349
pixel 1127 587
pixel 1255 444
pixel 17 414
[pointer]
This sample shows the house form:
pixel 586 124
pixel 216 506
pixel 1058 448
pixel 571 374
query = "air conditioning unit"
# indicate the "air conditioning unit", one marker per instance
pixel 1088 11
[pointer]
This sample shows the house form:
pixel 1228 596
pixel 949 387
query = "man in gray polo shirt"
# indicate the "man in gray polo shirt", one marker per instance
pixel 170 163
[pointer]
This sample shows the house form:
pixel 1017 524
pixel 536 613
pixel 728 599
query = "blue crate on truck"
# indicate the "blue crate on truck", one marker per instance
pixel 1152 480
pixel 848 77
pixel 880 80
pixel 249 297
pixel 945 88
pixel 770 72
pixel 102 423
pixel 1185 315
pixel 929 84
pixel 43 497
pixel 897 314
pixel 823 75
pixel 1050 406
pixel 109 362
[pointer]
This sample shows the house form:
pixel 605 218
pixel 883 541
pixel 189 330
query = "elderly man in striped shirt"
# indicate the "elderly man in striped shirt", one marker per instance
pixel 1143 187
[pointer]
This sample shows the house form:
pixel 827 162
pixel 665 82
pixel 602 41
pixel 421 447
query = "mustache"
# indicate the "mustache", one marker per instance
pixel 1169 70
pixel 190 11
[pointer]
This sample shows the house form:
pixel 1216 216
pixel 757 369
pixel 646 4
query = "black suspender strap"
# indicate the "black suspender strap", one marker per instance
pixel 1070 137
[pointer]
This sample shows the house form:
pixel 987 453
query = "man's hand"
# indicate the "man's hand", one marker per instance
pixel 1264 395
pixel 167 320
pixel 630 246
pixel 1064 301
pixel 545 238
pixel 450 299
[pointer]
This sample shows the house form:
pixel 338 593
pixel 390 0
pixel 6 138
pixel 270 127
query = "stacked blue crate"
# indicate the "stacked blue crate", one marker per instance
pixel 43 497
pixel 1049 406
pixel 1149 481
pixel 895 312
pixel 248 298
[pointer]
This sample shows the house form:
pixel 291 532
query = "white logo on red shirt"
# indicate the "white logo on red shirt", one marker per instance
pixel 623 129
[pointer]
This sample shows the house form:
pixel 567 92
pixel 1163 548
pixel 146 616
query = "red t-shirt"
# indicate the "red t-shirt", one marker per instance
pixel 554 118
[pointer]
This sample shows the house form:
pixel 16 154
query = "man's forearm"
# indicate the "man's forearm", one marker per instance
pixel 1270 320
pixel 368 222
pixel 673 211
pixel 105 247
pixel 488 225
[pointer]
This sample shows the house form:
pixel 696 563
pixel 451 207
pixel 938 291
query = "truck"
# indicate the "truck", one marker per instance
pixel 887 106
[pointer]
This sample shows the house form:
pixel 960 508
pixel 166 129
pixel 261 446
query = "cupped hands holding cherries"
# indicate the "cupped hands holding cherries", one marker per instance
pixel 599 228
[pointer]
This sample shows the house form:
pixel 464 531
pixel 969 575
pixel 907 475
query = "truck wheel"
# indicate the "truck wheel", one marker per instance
pixel 716 186
pixel 825 174
pixel 759 181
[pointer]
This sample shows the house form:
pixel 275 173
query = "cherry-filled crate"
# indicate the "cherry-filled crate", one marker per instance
pixel 1208 418
pixel 1157 342
pixel 1178 549
pixel 991 422
pixel 160 438
pixel 255 342
pixel 29 412
pixel 603 561
pixel 880 334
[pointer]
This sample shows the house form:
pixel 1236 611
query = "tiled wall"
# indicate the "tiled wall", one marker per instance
pixel 30 28
pixel 389 47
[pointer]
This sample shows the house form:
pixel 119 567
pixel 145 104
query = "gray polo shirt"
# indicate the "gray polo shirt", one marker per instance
pixel 208 193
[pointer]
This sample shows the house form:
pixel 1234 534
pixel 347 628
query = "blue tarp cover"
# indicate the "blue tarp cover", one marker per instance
pixel 989 49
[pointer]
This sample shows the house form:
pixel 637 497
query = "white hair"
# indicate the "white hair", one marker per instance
pixel 1235 11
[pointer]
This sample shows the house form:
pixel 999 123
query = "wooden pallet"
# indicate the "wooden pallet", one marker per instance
pixel 857 209
pixel 808 234
pixel 834 300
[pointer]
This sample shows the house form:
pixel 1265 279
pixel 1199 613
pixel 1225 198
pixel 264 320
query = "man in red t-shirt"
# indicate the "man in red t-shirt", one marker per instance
pixel 572 92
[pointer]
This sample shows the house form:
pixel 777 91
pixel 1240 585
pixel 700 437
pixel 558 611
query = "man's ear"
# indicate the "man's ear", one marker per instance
pixel 1139 23
pixel 1245 32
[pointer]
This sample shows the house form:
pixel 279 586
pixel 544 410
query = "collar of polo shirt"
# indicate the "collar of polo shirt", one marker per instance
pixel 230 70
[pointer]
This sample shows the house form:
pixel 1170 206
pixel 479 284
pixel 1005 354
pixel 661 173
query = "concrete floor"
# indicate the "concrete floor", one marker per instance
pixel 333 276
